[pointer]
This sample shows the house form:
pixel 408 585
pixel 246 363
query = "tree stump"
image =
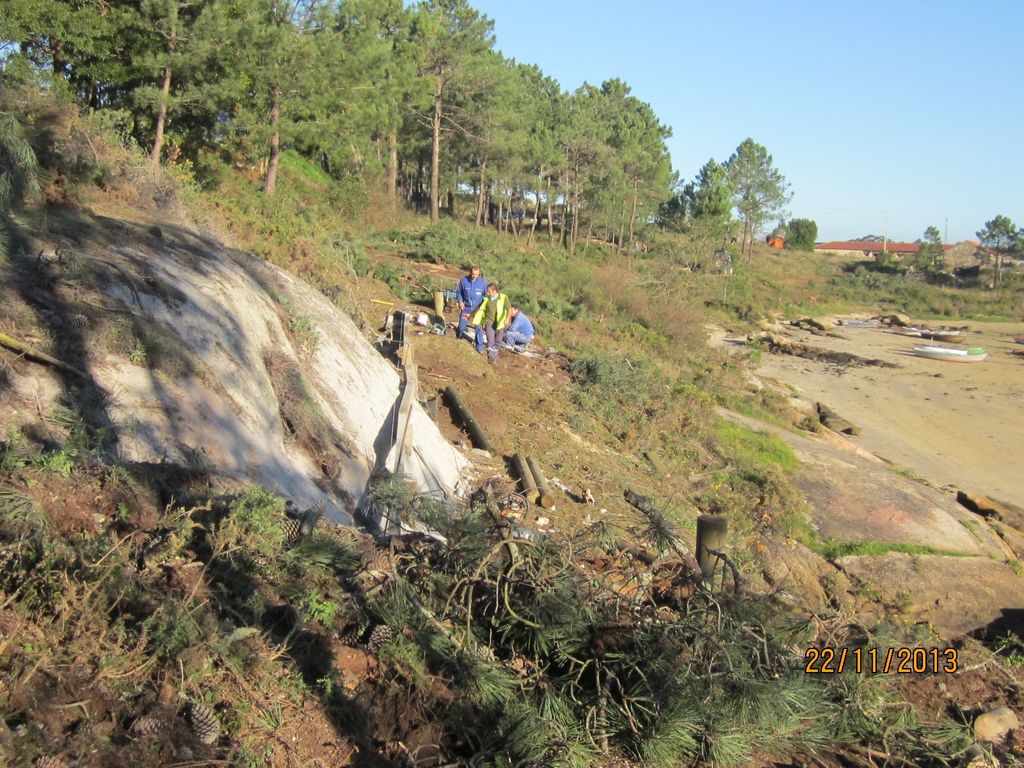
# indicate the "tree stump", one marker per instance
pixel 711 533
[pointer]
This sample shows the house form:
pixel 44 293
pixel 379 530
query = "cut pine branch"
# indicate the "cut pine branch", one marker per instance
pixel 40 357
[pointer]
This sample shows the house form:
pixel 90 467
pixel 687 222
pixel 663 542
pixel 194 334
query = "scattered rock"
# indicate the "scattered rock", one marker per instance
pixel 1004 512
pixel 956 595
pixel 901 321
pixel 995 724
pixel 834 421
pixel 807 324
pixel 790 569
pixel 781 344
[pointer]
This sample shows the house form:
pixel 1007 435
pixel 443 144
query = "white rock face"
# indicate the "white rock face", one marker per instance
pixel 229 309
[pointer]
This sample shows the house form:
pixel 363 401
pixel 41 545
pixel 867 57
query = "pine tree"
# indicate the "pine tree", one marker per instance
pixel 760 192
pixel 448 35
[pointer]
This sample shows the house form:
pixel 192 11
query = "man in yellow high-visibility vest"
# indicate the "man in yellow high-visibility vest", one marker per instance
pixel 492 316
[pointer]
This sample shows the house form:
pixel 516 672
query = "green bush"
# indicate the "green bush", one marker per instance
pixel 394 278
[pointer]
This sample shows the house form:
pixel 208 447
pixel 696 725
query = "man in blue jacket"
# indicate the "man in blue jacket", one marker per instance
pixel 470 294
pixel 520 330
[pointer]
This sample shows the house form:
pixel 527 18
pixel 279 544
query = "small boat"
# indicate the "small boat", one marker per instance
pixel 905 331
pixel 943 335
pixel 950 355
pixel 861 323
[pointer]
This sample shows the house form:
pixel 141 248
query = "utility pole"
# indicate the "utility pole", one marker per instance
pixel 945 233
pixel 885 233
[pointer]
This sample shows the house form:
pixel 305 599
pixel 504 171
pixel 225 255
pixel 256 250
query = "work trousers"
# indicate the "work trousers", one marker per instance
pixel 463 322
pixel 495 337
pixel 517 338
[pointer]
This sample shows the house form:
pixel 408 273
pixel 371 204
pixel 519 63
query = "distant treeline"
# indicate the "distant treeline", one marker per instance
pixel 411 103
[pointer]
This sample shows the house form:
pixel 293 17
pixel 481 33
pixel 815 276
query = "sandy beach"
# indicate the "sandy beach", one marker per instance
pixel 952 424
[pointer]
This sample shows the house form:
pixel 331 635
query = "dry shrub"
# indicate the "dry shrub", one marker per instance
pixel 78 151
pixel 302 252
pixel 621 287
pixel 655 301
pixel 382 213
pixel 683 322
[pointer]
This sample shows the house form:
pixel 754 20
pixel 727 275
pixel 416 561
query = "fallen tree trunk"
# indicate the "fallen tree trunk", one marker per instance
pixel 40 357
pixel 643 503
pixel 545 498
pixel 477 435
pixel 530 490
pixel 807 324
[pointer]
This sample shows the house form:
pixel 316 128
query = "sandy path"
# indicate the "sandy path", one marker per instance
pixel 950 423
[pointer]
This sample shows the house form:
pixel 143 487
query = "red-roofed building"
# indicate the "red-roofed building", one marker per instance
pixel 865 248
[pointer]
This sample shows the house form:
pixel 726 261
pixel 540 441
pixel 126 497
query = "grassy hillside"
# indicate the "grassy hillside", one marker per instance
pixel 146 619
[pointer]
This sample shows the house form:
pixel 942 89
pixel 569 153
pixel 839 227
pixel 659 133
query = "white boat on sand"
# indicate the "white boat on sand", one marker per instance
pixel 948 354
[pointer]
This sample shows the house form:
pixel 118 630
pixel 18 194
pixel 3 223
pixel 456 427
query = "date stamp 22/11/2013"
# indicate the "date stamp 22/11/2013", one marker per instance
pixel 872 661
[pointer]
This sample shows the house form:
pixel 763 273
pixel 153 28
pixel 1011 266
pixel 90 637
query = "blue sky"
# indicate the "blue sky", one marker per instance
pixel 899 114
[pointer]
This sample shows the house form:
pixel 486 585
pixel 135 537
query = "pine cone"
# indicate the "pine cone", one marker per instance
pixel 292 530
pixel 260 560
pixel 46 761
pixel 351 639
pixel 147 726
pixel 377 561
pixel 312 516
pixel 381 635
pixel 353 636
pixel 79 321
pixel 154 542
pixel 203 722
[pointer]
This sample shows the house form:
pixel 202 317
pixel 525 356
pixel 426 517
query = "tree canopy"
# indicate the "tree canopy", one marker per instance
pixel 1000 237
pixel 760 191
pixel 409 102
pixel 801 234
pixel 930 254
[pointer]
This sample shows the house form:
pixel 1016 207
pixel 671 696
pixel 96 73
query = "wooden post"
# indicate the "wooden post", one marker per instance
pixel 530 490
pixel 475 432
pixel 545 498
pixel 439 306
pixel 711 532
pixel 402 448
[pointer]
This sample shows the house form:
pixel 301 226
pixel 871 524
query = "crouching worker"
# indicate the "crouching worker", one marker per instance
pixel 520 330
pixel 492 316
